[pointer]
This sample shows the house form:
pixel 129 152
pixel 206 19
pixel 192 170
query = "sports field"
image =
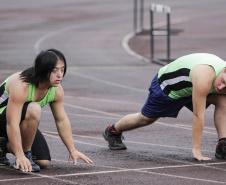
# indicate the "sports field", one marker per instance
pixel 105 81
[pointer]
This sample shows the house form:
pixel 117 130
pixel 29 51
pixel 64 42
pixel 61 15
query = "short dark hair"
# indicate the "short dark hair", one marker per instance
pixel 44 64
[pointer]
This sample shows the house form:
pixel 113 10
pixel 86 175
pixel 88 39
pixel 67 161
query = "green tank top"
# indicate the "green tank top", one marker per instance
pixel 175 78
pixel 4 95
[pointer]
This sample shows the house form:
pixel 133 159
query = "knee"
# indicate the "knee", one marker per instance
pixel 33 111
pixel 219 100
pixel 42 163
pixel 143 120
pixel 222 101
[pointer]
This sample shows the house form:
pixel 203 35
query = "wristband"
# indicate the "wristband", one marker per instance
pixel 70 155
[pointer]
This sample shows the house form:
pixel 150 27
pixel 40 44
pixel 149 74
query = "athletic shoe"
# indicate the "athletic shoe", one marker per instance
pixel 35 167
pixel 221 149
pixel 114 140
pixel 4 161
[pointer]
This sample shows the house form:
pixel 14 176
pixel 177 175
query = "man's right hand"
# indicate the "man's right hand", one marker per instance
pixel 23 163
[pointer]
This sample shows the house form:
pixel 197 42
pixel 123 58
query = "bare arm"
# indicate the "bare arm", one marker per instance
pixel 64 126
pixel 19 93
pixel 202 77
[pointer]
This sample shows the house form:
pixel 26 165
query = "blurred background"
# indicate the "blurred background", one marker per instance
pixel 91 29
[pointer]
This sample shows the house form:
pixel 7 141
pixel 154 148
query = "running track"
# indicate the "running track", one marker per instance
pixel 105 82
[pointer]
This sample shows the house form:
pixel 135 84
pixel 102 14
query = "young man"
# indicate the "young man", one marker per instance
pixel 194 81
pixel 21 97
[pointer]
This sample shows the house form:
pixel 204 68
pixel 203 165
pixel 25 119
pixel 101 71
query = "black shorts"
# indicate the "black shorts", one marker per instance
pixel 40 149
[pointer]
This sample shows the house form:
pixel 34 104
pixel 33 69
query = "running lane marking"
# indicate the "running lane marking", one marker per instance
pixel 48 35
pixel 8 71
pixel 126 39
pixel 120 116
pixel 80 142
pixel 85 115
pixel 142 170
pixel 133 142
pixel 40 176
pixel 127 170
pixel 108 82
pixel 104 100
pixel 92 110
pixel 50 134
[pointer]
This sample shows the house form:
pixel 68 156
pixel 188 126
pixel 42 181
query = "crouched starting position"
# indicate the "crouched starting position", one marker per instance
pixel 194 81
pixel 21 97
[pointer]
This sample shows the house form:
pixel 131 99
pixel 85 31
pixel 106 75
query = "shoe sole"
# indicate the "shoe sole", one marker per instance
pixel 14 166
pixel 112 148
pixel 4 164
pixel 218 156
pixel 105 136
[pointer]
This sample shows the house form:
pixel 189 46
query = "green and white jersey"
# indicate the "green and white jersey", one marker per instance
pixel 175 78
pixel 4 95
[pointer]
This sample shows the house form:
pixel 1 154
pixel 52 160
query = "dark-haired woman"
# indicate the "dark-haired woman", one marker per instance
pixel 21 97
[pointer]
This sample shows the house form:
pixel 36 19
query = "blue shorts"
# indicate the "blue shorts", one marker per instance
pixel 159 104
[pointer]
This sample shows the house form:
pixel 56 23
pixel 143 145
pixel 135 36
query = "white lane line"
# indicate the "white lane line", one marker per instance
pixel 85 115
pixel 111 67
pixel 162 167
pixel 92 110
pixel 80 142
pixel 142 170
pixel 8 71
pixel 79 25
pixel 53 178
pixel 131 142
pixel 127 37
pixel 167 146
pixel 75 135
pixel 114 101
pixel 190 126
pixel 78 68
pixel 22 178
pixel 100 166
pixel 187 164
pixel 104 100
pixel 40 176
pixel 50 34
pixel 108 82
pixel 183 177
pixel 150 144
pixel 185 128
pixel 117 115
pixel 124 170
pixel 126 47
